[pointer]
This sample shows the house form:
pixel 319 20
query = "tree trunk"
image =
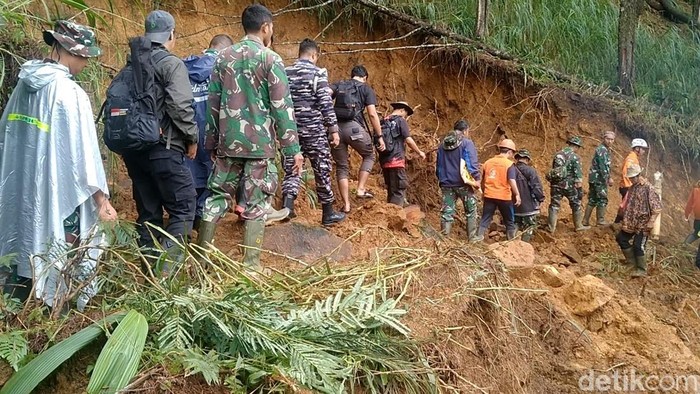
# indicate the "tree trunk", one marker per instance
pixel 482 19
pixel 627 31
pixel 696 13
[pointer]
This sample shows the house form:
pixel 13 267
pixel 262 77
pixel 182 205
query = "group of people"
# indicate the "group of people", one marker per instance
pixel 512 186
pixel 223 117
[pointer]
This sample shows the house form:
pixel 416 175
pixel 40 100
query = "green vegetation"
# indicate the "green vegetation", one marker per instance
pixel 579 37
pixel 322 331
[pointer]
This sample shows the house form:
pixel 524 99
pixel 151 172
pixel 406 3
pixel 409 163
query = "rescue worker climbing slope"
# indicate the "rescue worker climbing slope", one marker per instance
pixel 598 181
pixel 566 179
pixel 313 109
pixel 249 105
pixel 639 148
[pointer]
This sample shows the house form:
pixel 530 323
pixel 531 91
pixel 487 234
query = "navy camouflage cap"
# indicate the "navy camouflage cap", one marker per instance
pixel 77 39
pixel 159 25
pixel 452 140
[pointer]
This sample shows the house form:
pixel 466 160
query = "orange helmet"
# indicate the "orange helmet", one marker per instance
pixel 507 143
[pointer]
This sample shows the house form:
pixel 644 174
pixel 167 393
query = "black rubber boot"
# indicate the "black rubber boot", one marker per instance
pixel 288 202
pixel 330 216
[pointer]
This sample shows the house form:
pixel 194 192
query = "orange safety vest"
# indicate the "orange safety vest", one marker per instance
pixel 495 176
pixel 631 159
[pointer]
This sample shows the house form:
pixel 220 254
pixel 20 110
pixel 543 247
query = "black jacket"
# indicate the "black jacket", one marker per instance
pixel 174 102
pixel 530 188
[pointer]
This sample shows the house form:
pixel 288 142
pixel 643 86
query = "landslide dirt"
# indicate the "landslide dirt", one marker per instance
pixel 522 330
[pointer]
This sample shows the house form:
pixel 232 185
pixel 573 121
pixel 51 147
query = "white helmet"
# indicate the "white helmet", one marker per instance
pixel 639 143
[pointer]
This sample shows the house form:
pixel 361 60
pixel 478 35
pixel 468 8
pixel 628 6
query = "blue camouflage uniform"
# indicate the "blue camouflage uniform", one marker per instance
pixel 199 69
pixel 313 110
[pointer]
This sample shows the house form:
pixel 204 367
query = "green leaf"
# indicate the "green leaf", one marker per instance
pixel 29 376
pixel 195 361
pixel 13 347
pixel 119 360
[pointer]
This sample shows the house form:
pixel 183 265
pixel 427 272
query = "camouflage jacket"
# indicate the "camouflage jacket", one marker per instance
pixel 248 99
pixel 574 173
pixel 600 166
pixel 311 94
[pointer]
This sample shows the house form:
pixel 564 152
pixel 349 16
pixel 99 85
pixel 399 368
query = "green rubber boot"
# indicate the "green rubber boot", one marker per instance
pixel 629 256
pixel 206 233
pixel 641 270
pixel 252 240
pixel 587 215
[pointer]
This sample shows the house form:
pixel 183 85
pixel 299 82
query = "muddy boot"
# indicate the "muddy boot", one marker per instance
pixel 272 215
pixel 206 233
pixel 552 219
pixel 510 234
pixel 288 202
pixel 691 238
pixel 641 270
pixel 479 235
pixel 252 239
pixel 578 218
pixel 600 216
pixel 587 215
pixel 330 216
pixel 527 235
pixel 472 227
pixel 629 256
pixel 445 228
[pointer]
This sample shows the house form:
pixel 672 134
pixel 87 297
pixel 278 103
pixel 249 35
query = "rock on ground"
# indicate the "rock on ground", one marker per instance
pixel 587 294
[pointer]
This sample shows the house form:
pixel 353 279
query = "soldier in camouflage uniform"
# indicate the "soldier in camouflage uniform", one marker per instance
pixel 249 103
pixel 599 180
pixel 566 179
pixel 313 109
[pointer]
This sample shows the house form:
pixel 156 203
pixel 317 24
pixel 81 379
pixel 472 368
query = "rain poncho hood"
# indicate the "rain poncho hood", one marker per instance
pixel 50 166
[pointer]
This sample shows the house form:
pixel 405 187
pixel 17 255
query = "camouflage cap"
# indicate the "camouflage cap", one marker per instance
pixel 575 140
pixel 523 153
pixel 452 140
pixel 77 39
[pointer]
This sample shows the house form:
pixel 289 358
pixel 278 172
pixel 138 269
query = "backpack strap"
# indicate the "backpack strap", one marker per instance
pixel 157 56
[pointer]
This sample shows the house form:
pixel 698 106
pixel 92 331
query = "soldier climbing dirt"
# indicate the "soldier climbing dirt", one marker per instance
pixel 599 180
pixel 566 179
pixel 640 208
pixel 313 109
pixel 248 97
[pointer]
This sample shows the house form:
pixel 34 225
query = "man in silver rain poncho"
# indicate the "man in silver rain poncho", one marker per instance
pixel 52 183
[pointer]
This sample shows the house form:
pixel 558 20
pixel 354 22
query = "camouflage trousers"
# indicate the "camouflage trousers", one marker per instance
pixel 573 194
pixel 450 195
pixel 317 150
pixel 259 187
pixel 527 224
pixel 597 195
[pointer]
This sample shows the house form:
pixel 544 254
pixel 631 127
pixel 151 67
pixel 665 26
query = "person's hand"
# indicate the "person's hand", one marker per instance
pixel 422 154
pixel 106 212
pixel 191 151
pixel 381 146
pixel 610 182
pixel 578 185
pixel 335 139
pixel 517 200
pixel 298 164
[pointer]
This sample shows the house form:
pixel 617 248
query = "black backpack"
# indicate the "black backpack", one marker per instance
pixel 131 122
pixel 390 134
pixel 348 103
